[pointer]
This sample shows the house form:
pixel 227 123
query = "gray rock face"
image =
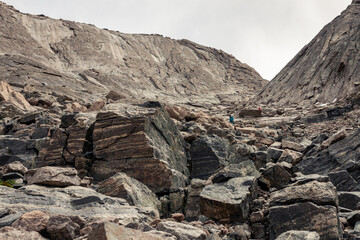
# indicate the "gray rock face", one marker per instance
pixel 14 149
pixel 90 62
pixel 70 201
pixel 192 208
pixel 349 200
pixel 208 154
pixel 298 235
pixel 343 181
pixel 53 176
pixel 305 216
pixel 135 192
pixel 243 169
pixel 229 200
pixel 324 70
pixel 275 176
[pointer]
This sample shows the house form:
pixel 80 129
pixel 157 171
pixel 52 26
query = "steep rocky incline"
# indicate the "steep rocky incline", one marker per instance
pixel 325 70
pixel 84 62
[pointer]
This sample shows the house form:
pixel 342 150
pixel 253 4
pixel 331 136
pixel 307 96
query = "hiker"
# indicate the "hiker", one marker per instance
pixel 232 119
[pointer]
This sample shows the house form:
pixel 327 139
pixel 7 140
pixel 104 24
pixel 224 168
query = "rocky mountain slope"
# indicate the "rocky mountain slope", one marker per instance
pixel 126 168
pixel 325 70
pixel 83 62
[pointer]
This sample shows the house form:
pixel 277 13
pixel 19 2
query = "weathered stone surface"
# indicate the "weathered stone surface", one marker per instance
pixel 15 167
pixel 70 201
pixel 113 231
pixel 292 146
pixel 298 235
pixel 10 233
pixel 317 192
pixel 8 94
pixel 208 154
pixel 135 192
pixel 53 176
pixel 275 176
pixel 148 148
pixel 333 139
pixel 182 231
pixel 305 216
pixel 61 227
pixel 343 181
pixel 228 200
pixel 14 149
pixel 243 169
pixel 192 207
pixel 290 156
pixel 323 71
pixel 349 200
pixel 32 221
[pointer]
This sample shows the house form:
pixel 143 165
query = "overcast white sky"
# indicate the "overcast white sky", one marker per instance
pixel 265 34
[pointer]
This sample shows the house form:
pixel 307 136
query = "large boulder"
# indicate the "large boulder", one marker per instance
pixel 349 200
pixel 208 154
pixel 229 199
pixel 53 176
pixel 343 181
pixel 305 216
pixel 145 145
pixel 135 192
pixel 61 227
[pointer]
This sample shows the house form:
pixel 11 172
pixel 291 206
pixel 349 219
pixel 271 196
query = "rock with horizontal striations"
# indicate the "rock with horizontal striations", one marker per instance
pixel 135 192
pixel 208 154
pixel 321 193
pixel 298 235
pixel 305 216
pixel 32 221
pixel 182 231
pixel 229 199
pixel 53 176
pixel 10 233
pixel 146 145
